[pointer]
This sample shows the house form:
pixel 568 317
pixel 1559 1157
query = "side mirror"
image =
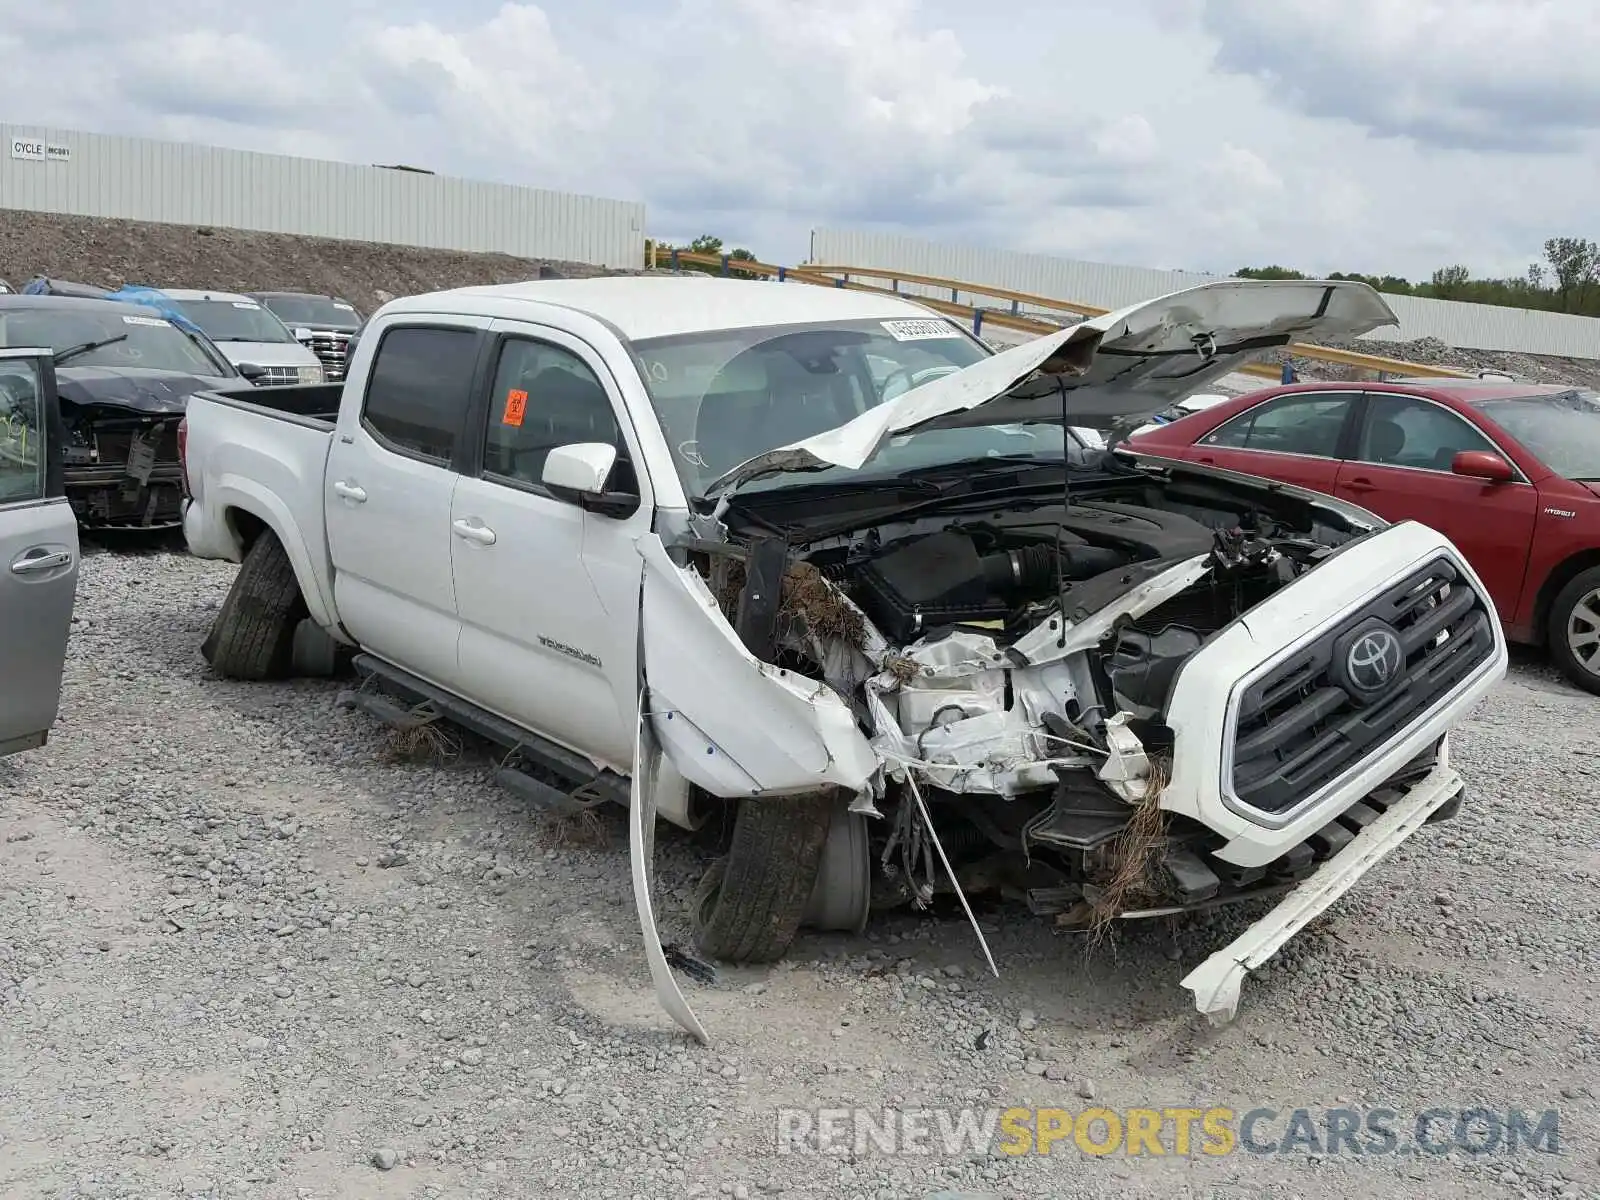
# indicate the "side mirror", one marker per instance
pixel 252 371
pixel 1480 464
pixel 578 473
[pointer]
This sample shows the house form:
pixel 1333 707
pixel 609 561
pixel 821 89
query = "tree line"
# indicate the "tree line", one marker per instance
pixel 1567 281
pixel 704 244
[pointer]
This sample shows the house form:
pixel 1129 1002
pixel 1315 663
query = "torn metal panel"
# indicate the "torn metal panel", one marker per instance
pixel 729 722
pixel 641 852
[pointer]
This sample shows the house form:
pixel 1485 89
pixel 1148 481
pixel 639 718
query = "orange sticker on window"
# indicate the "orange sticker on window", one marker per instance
pixel 516 405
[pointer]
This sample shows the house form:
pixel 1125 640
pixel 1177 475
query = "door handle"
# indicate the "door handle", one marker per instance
pixel 481 534
pixel 1207 460
pixel 1359 484
pixel 349 491
pixel 42 562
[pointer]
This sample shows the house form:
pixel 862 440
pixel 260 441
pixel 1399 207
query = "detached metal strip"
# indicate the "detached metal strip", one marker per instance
pixel 1215 982
pixel 641 850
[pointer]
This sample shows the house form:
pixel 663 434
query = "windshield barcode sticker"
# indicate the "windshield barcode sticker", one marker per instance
pixel 917 331
pixel 156 321
pixel 244 304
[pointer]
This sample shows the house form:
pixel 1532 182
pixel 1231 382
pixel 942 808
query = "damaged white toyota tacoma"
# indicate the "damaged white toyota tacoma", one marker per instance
pixel 820 561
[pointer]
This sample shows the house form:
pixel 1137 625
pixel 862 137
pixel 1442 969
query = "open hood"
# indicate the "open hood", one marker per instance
pixel 1116 370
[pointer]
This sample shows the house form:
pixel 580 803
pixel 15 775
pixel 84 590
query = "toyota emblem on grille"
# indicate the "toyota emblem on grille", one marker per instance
pixel 1373 660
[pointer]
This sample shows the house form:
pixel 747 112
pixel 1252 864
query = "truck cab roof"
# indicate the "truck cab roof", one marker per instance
pixel 643 306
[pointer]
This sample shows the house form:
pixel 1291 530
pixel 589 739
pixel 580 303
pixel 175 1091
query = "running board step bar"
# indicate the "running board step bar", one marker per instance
pixel 541 772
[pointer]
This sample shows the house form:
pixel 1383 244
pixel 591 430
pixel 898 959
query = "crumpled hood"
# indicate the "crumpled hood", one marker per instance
pixel 1116 370
pixel 138 389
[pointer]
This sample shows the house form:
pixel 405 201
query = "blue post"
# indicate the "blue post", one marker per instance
pixel 955 296
pixel 894 286
pixel 674 258
pixel 1015 311
pixel 839 282
pixel 1288 372
pixel 977 322
pixel 783 273
pixel 724 264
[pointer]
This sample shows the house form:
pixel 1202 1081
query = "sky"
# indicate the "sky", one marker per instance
pixel 1382 136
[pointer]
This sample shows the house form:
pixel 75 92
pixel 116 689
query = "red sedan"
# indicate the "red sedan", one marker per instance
pixel 1509 472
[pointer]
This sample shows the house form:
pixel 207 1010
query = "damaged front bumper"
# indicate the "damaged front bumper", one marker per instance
pixel 1215 983
pixel 1291 784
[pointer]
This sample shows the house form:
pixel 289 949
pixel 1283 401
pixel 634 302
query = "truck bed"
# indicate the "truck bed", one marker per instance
pixel 262 451
pixel 314 404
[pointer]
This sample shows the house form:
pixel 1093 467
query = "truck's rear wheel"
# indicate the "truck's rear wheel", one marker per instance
pixel 1574 630
pixel 253 635
pixel 750 903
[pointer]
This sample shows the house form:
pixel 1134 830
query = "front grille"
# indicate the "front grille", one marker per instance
pixel 1322 711
pixel 331 350
pixel 278 376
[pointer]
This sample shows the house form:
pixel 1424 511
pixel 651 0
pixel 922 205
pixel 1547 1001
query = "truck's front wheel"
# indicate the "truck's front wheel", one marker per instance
pixel 750 903
pixel 253 635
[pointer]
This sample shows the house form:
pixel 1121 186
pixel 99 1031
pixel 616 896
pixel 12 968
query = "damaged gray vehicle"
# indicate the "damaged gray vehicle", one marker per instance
pixel 822 557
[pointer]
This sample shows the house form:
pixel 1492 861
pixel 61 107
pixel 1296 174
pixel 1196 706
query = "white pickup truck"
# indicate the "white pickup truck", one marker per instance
pixel 822 557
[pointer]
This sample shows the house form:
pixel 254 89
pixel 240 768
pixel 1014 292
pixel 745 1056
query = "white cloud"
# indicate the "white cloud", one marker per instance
pixel 1206 134
pixel 1479 74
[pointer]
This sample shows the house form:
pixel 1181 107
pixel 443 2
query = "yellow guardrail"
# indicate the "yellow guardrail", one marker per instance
pixel 1014 318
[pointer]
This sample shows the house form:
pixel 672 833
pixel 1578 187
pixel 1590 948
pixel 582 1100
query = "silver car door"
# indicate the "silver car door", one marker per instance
pixel 38 551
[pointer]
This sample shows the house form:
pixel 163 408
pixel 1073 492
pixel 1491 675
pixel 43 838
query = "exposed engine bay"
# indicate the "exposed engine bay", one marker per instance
pixel 1011 662
pixel 121 467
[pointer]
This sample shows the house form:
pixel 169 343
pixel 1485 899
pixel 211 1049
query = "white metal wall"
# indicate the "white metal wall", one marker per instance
pixel 97 175
pixel 1467 326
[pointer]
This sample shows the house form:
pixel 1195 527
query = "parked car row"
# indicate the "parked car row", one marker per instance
pixel 127 359
pixel 292 337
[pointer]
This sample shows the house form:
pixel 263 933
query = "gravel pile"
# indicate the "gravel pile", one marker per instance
pixel 245 951
pixel 107 252
pixel 1430 351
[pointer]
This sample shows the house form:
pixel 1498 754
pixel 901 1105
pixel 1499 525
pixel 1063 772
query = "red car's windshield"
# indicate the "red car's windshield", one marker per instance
pixel 1562 429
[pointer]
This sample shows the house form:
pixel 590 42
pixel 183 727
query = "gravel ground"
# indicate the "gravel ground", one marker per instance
pixel 245 952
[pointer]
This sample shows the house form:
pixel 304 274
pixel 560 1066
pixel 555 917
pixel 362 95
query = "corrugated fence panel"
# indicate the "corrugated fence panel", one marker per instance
pixel 1468 326
pixel 97 175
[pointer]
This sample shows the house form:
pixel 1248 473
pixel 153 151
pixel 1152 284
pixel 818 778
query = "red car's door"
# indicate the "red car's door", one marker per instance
pixel 1294 438
pixel 1400 469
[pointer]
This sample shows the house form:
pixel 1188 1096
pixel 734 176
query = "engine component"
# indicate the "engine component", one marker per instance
pixel 1082 816
pixel 1142 665
pixel 941 579
pixel 1146 532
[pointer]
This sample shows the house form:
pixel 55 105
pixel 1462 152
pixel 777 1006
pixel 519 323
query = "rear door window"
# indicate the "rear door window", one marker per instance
pixel 1307 423
pixel 419 389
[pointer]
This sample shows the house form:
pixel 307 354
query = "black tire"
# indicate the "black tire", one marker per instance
pixel 1584 584
pixel 253 635
pixel 749 904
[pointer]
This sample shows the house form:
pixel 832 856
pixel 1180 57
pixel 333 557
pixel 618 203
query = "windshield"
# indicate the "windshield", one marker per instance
pixel 150 342
pixel 1562 429
pixel 727 396
pixel 235 320
pixel 322 311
